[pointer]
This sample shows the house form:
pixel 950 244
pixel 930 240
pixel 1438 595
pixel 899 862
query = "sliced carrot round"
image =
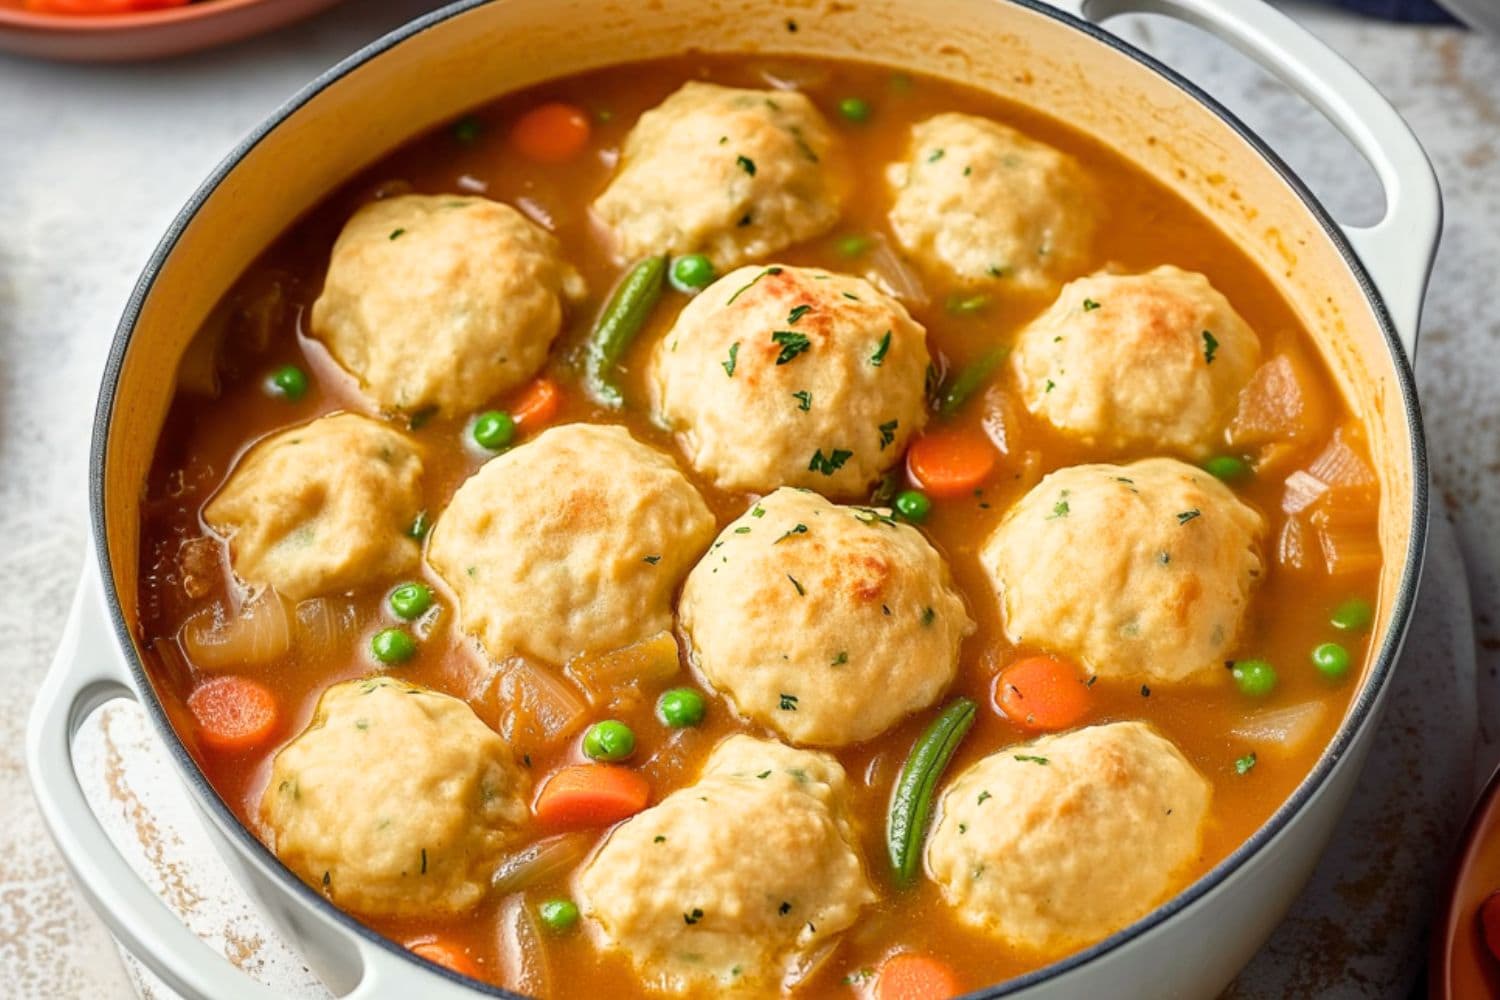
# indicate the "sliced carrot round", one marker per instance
pixel 537 404
pixel 951 462
pixel 234 714
pixel 1042 693
pixel 449 955
pixel 909 976
pixel 585 795
pixel 552 133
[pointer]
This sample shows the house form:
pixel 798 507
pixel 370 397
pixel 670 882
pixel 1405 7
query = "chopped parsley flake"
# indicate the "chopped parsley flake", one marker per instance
pixel 888 433
pixel 792 344
pixel 878 358
pixel 653 560
pixel 984 795
pixel 692 916
pixel 1089 305
pixel 1028 759
pixel 743 529
pixel 1185 516
pixel 1245 763
pixel 1145 691
pixel 928 617
pixel 935 155
pixel 658 839
pixel 788 702
pixel 1050 386
pixel 797 313
pixel 1210 345
pixel 397 233
pixel 763 775
pixel 799 529
pixel 795 583
pixel 757 511
pixel 784 908
pixel 746 164
pixel 734 354
pixel 773 271
pixel 1061 508
pixel 831 463
pixel 424 861
pixel 804 400
pixel 841 659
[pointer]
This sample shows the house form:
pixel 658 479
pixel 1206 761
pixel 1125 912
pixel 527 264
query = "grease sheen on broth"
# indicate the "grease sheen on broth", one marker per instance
pixel 263 325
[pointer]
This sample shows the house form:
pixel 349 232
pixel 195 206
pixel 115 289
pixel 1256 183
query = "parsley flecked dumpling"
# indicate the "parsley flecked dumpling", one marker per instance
pixel 734 174
pixel 395 801
pixel 792 376
pixel 1057 843
pixel 440 302
pixel 1137 571
pixel 702 893
pixel 982 205
pixel 825 624
pixel 322 508
pixel 584 558
pixel 1153 360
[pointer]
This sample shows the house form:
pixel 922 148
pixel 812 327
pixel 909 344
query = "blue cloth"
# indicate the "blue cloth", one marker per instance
pixel 1415 11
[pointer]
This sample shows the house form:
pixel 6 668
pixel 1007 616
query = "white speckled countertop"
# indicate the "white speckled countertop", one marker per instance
pixel 94 162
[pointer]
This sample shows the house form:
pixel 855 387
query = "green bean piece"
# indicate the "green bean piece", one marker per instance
pixel 911 804
pixel 622 318
pixel 968 381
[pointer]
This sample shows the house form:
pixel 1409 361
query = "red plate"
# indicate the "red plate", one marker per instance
pixel 1462 967
pixel 147 34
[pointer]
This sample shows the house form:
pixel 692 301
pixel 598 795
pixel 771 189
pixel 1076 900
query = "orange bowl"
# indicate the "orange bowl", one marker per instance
pixel 1461 965
pixel 146 34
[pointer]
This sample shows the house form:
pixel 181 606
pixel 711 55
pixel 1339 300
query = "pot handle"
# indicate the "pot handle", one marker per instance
pixel 85 674
pixel 1397 251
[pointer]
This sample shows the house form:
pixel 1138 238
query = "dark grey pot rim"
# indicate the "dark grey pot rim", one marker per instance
pixel 1360 714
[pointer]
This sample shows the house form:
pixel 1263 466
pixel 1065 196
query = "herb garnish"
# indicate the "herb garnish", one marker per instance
pixel 1027 758
pixel 653 560
pixel 734 354
pixel 888 433
pixel 928 617
pixel 797 313
pixel 1061 508
pixel 1245 763
pixel 788 702
pixel 878 358
pixel 746 164
pixel 800 591
pixel 935 155
pixel 804 400
pixel 841 659
pixel 1187 515
pixel 832 463
pixel 692 917
pixel 799 529
pixel 792 344
pixel 1210 345
pixel 397 233
pixel 773 271
pixel 1089 305
pixel 983 795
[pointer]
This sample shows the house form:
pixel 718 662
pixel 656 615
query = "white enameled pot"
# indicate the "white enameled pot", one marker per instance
pixel 1358 289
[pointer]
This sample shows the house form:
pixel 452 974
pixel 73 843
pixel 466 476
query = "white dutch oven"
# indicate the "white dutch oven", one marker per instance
pixel 1359 291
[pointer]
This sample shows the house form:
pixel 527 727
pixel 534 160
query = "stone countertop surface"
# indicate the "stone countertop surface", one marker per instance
pixel 95 161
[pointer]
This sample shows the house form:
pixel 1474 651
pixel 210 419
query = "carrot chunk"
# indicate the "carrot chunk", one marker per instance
pixel 551 133
pixel 449 955
pixel 1042 693
pixel 585 795
pixel 234 714
pixel 537 404
pixel 909 976
pixel 950 463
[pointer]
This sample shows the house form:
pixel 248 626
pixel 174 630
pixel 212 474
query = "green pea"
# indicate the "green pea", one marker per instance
pixel 913 505
pixel 680 708
pixel 855 109
pixel 691 272
pixel 393 645
pixel 289 382
pixel 1256 678
pixel 558 914
pixel 609 740
pixel 1227 468
pixel 852 245
pixel 1331 659
pixel 494 429
pixel 1354 615
pixel 410 599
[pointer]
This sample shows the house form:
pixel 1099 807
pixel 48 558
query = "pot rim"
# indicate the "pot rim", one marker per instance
pixel 1360 713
